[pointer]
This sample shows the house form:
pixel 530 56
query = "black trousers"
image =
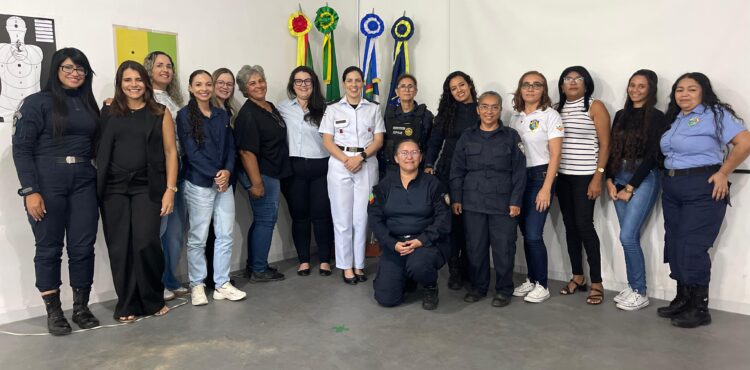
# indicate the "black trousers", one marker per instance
pixel 422 266
pixel 578 216
pixel 69 193
pixel 306 193
pixel 489 231
pixel 131 229
pixel 692 221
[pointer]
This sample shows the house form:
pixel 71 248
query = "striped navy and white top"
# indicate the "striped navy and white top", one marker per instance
pixel 580 146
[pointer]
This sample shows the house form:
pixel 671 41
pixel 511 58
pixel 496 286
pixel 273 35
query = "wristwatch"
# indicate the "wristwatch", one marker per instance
pixel 364 156
pixel 173 188
pixel 629 189
pixel 26 191
pixel 600 170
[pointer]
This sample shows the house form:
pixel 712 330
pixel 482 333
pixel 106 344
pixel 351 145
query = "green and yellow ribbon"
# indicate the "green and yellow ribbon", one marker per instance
pixel 326 20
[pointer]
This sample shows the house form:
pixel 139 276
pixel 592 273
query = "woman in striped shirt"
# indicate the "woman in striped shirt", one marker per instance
pixel 585 150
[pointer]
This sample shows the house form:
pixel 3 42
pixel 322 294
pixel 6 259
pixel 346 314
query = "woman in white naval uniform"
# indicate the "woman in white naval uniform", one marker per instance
pixel 352 131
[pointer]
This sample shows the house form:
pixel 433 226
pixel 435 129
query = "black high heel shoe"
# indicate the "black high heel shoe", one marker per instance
pixel 350 281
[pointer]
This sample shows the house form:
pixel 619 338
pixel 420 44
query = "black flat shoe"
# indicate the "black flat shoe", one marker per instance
pixel 303 272
pixel 324 272
pixel 360 278
pixel 350 281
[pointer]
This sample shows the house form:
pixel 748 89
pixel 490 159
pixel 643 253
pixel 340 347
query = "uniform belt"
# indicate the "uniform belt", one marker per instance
pixel 403 238
pixel 692 171
pixel 71 159
pixel 351 149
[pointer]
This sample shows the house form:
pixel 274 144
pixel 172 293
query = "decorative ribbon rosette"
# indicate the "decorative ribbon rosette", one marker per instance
pixel 402 31
pixel 299 27
pixel 326 20
pixel 371 27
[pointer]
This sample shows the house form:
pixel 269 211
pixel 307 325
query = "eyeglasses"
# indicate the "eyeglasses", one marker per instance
pixel 407 87
pixel 568 80
pixel 407 153
pixel 228 84
pixel 305 82
pixel 69 68
pixel 532 86
pixel 489 108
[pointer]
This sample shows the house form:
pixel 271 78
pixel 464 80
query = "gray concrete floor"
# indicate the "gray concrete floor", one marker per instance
pixel 319 322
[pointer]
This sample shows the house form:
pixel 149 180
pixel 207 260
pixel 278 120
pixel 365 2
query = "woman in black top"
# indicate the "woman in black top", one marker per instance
pixel 53 136
pixel 411 218
pixel 137 176
pixel 260 134
pixel 632 179
pixel 457 111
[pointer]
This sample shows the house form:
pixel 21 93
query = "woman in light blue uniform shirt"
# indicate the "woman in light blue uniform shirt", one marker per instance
pixel 696 189
pixel 306 191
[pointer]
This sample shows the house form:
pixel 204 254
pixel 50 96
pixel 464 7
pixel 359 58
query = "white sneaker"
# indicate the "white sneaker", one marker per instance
pixel 228 291
pixel 523 289
pixel 635 301
pixel 623 295
pixel 538 295
pixel 198 295
pixel 168 295
pixel 181 291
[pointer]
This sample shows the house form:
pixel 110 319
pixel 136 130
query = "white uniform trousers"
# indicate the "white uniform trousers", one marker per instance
pixel 350 194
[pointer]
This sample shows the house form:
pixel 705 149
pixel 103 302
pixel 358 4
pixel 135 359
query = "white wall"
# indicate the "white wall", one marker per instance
pixel 495 42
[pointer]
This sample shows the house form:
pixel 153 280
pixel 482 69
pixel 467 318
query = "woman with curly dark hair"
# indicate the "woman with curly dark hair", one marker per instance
pixel 457 111
pixel 696 189
pixel 632 178
pixel 137 182
pixel 208 146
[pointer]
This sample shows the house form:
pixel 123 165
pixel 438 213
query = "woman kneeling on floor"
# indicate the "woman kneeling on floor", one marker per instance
pixel 411 219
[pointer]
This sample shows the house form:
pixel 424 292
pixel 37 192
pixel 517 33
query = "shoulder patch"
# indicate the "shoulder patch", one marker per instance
pixel 447 199
pixel 521 148
pixel 371 198
pixel 559 127
pixel 16 116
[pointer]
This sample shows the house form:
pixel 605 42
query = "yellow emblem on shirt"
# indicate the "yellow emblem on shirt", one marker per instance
pixel 534 125
pixel 408 131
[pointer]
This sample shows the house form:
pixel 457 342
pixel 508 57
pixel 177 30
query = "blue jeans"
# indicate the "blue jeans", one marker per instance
pixel 172 234
pixel 532 225
pixel 202 203
pixel 265 214
pixel 632 215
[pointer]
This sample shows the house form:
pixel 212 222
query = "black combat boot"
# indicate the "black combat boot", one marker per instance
pixel 81 314
pixel 56 323
pixel 430 299
pixel 455 280
pixel 678 304
pixel 696 313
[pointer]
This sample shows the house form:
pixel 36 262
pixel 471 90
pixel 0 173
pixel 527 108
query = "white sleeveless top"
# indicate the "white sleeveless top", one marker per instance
pixel 580 146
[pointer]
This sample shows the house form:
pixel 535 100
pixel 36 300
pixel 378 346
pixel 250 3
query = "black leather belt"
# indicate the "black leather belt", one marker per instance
pixel 351 149
pixel 403 238
pixel 692 171
pixel 71 159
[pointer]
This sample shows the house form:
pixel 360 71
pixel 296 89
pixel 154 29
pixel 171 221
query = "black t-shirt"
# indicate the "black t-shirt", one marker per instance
pixel 264 134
